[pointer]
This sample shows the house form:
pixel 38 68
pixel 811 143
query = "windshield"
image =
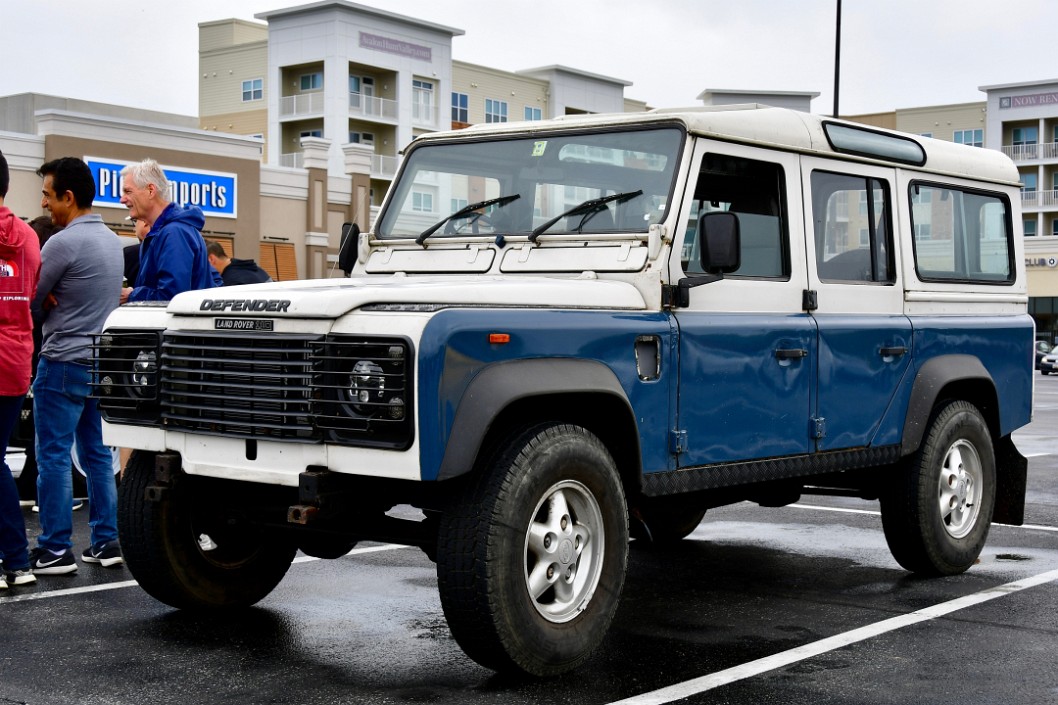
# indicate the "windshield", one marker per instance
pixel 588 182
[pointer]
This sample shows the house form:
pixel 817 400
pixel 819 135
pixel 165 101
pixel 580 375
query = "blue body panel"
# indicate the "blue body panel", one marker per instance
pixel 857 383
pixel 737 400
pixel 721 381
pixel 455 348
pixel 1003 344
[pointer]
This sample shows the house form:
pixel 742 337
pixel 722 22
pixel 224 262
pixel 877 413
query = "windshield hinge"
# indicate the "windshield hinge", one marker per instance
pixel 819 427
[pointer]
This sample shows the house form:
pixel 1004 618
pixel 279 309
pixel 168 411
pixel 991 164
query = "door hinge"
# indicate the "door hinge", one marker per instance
pixel 809 300
pixel 677 442
pixel 819 427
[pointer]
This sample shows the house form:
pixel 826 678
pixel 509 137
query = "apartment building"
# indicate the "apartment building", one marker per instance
pixel 367 82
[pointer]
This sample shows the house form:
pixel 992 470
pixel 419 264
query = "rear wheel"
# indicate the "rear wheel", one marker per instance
pixel 936 518
pixel 185 551
pixel 532 560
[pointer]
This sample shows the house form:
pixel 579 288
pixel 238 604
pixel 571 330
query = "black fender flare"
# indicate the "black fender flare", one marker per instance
pixel 932 377
pixel 503 383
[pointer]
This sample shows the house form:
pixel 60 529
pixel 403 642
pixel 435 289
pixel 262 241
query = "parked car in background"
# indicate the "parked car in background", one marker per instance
pixel 1042 348
pixel 1048 363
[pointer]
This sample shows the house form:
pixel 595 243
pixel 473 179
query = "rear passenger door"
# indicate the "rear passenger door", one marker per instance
pixel 864 336
pixel 747 347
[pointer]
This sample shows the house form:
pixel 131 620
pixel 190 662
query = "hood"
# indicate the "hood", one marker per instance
pixel 10 236
pixel 330 298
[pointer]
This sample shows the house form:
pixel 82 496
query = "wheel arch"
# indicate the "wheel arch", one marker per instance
pixel 510 395
pixel 948 377
pixel 951 377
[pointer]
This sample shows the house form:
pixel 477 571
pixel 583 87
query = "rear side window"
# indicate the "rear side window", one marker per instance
pixel 852 228
pixel 961 235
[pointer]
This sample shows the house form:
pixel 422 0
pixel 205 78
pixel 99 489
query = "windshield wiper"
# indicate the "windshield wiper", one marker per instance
pixel 464 212
pixel 589 208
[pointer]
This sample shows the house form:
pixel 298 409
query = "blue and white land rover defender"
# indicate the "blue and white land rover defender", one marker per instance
pixel 561 334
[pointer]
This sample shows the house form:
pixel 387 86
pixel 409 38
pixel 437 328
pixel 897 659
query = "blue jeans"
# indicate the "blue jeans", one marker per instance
pixel 13 542
pixel 62 412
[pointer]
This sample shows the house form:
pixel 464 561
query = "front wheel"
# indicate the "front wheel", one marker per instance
pixel 185 550
pixel 531 562
pixel 936 517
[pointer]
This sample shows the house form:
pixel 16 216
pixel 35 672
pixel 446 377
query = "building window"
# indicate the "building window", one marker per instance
pixel 533 113
pixel 973 138
pixel 1025 135
pixel 422 101
pixel 925 134
pixel 1029 226
pixel 252 90
pixel 1028 183
pixel 1054 227
pixel 311 133
pixel 422 202
pixel 312 81
pixel 495 110
pixel 460 113
pixel 459 203
pixel 367 138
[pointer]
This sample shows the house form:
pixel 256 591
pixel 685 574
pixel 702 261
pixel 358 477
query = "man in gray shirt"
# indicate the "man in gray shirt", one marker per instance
pixel 80 284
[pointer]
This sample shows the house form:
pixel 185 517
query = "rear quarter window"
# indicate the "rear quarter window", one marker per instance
pixel 961 235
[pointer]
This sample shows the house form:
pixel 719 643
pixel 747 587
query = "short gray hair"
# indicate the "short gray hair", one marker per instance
pixel 148 172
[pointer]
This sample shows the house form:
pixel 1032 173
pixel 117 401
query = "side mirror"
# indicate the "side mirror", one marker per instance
pixel 720 242
pixel 347 247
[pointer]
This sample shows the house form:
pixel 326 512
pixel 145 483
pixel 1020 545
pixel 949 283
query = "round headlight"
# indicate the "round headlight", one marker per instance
pixel 144 368
pixel 367 384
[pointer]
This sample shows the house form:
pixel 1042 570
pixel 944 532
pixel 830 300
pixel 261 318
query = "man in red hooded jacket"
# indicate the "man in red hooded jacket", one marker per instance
pixel 19 273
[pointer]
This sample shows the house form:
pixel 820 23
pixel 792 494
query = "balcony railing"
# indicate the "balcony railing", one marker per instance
pixel 1039 199
pixel 301 105
pixel 370 107
pixel 294 160
pixel 1030 152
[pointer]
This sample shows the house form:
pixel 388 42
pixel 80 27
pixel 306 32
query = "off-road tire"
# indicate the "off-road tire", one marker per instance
pixel 551 496
pixel 937 514
pixel 160 541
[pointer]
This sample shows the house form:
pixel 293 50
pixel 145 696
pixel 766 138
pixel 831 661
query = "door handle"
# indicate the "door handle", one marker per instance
pixel 895 351
pixel 790 353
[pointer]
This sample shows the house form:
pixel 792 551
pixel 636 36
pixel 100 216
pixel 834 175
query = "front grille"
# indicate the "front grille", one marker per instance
pixel 254 386
pixel 308 388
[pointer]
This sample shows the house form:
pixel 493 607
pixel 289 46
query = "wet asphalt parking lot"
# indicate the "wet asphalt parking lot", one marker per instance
pixel 796 605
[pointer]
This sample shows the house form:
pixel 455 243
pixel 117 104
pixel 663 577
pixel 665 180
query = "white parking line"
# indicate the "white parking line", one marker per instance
pixel 48 594
pixel 818 508
pixel 785 658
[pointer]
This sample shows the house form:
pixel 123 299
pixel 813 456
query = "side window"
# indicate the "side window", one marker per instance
pixel 754 190
pixel 961 235
pixel 852 228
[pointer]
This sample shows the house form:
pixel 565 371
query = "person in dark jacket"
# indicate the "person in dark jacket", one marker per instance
pixel 173 254
pixel 235 271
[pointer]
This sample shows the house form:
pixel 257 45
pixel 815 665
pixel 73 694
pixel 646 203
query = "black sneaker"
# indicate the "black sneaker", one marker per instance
pixel 44 562
pixel 106 554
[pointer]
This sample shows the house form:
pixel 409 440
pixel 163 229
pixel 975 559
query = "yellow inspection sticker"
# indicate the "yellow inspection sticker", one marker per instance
pixel 539 148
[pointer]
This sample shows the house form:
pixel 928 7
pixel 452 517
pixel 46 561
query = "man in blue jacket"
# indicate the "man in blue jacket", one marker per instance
pixel 173 255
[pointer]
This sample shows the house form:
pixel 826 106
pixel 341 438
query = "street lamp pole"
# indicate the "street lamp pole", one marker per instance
pixel 837 59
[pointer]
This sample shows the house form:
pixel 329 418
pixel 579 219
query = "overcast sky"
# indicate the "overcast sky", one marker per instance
pixel 894 53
